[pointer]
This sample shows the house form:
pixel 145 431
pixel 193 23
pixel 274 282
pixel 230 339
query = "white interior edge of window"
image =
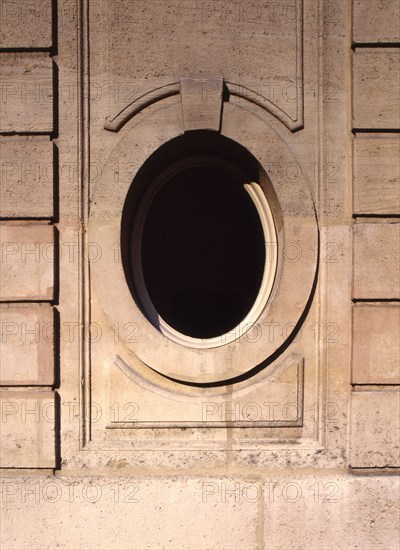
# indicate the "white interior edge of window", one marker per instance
pixel 270 265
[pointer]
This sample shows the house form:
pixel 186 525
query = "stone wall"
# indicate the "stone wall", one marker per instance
pixel 282 436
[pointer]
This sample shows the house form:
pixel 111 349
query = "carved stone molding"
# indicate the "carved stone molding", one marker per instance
pixel 201 103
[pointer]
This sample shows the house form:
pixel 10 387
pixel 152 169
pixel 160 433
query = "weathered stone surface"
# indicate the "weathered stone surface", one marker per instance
pixel 376 183
pixel 27 261
pixel 376 260
pixel 270 512
pixel 26 24
pixel 376 21
pixel 27 345
pixel 26 177
pixel 335 511
pixel 27 92
pixel 132 512
pixel 27 429
pixel 376 92
pixel 376 333
pixel 375 425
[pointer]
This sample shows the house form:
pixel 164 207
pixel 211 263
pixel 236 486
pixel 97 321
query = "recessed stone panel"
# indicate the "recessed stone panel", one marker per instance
pixel 276 400
pixel 27 345
pixel 27 261
pixel 376 99
pixel 376 21
pixel 26 177
pixel 255 46
pixel 27 92
pixel 27 429
pixel 26 24
pixel 375 425
pixel 376 260
pixel 376 184
pixel 376 330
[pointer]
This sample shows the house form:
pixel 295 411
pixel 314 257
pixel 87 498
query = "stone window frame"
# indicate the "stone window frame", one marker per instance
pixel 294 214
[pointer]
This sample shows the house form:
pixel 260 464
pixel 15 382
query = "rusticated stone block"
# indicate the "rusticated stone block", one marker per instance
pixel 376 97
pixel 26 103
pixel 375 425
pixel 376 21
pixel 27 345
pixel 26 261
pixel 376 344
pixel 26 177
pixel 376 175
pixel 27 429
pixel 376 260
pixel 25 24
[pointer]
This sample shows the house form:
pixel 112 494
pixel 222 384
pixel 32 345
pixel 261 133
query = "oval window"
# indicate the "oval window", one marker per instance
pixel 197 250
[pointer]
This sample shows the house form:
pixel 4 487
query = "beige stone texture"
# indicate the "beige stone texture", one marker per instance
pixel 26 24
pixel 27 261
pixel 376 260
pixel 376 334
pixel 27 345
pixel 27 429
pixel 375 429
pixel 26 177
pixel 376 175
pixel 376 21
pixel 335 511
pixel 237 512
pixel 27 92
pixel 376 99
pixel 137 512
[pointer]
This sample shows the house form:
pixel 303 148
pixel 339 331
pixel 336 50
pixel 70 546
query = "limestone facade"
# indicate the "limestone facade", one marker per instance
pixel 118 431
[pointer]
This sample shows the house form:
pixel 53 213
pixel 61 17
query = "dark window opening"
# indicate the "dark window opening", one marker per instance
pixel 201 249
pixel 203 252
